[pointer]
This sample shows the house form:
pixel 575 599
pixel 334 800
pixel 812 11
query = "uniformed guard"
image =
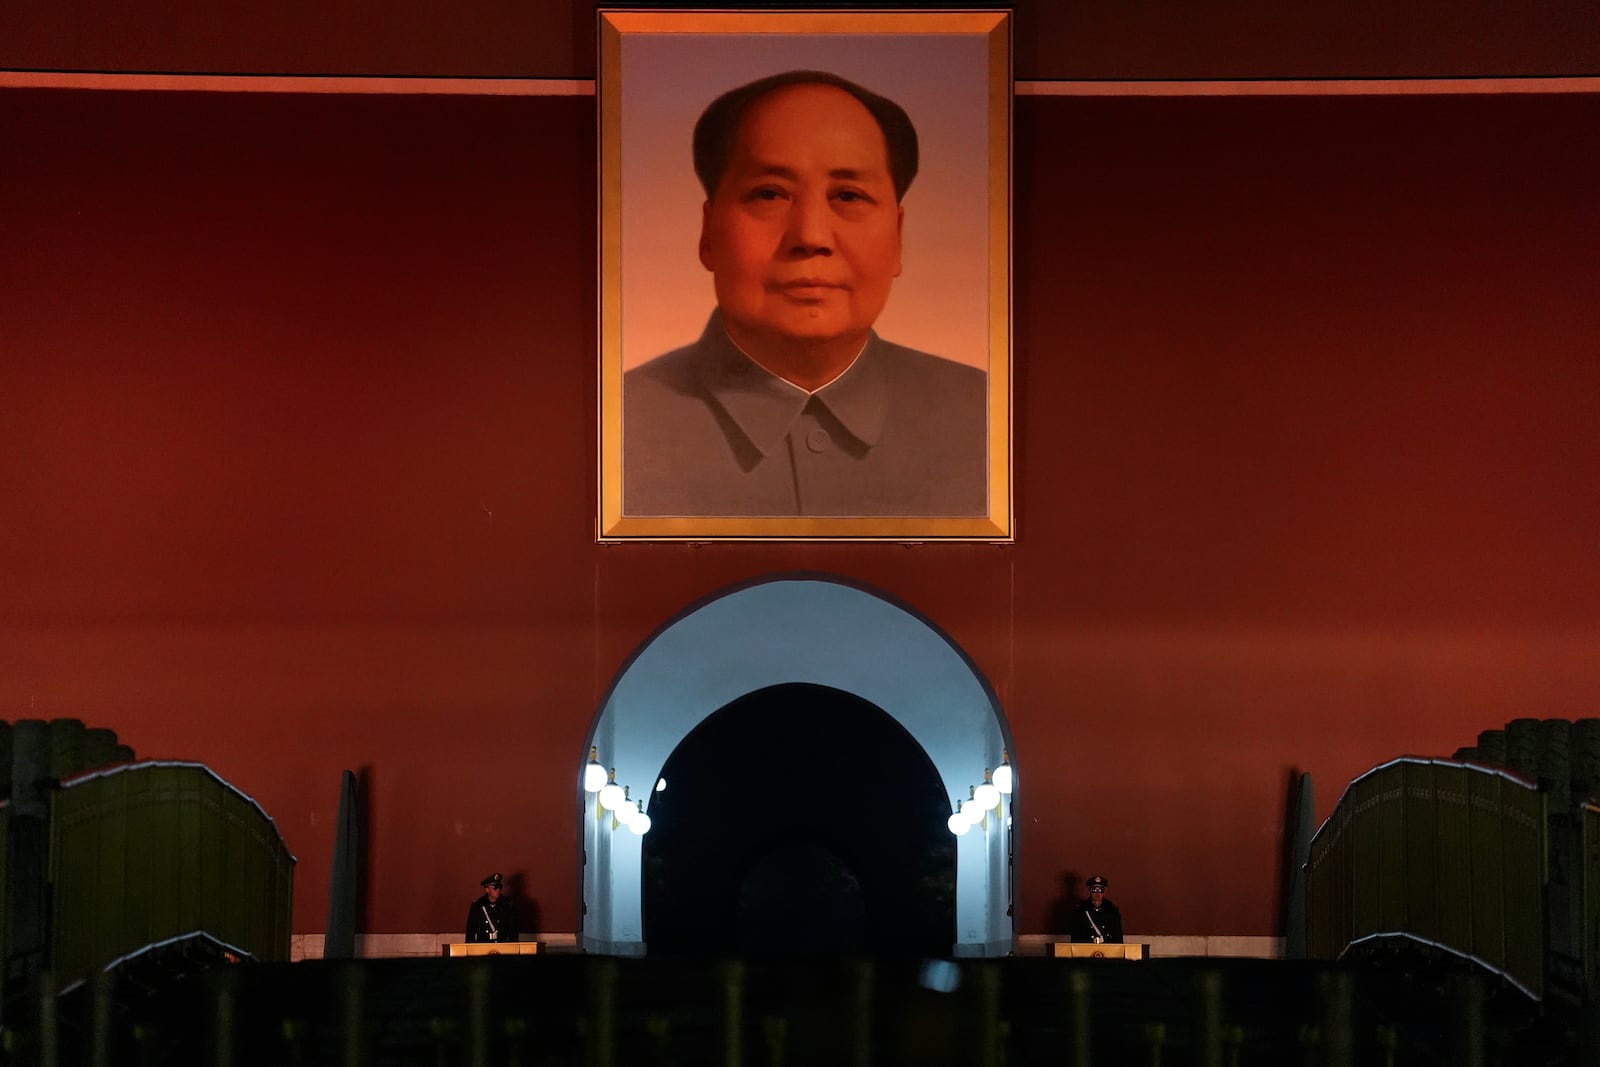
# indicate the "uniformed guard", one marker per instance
pixel 492 917
pixel 1097 920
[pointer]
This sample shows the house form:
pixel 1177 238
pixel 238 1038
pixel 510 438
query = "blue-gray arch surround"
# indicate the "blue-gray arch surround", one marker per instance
pixel 797 628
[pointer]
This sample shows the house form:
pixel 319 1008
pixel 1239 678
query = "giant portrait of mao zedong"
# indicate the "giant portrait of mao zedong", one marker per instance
pixel 787 411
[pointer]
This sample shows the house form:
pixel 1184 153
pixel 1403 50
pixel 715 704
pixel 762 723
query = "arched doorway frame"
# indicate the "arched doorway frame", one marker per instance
pixel 796 628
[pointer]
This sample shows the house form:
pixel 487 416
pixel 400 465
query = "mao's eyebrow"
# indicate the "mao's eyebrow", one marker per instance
pixel 778 170
pixel 774 170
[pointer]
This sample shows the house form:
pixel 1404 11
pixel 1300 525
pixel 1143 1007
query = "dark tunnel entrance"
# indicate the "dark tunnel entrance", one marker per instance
pixel 799 820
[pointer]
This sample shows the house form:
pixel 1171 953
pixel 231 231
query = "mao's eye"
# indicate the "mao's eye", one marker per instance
pixel 852 202
pixel 766 192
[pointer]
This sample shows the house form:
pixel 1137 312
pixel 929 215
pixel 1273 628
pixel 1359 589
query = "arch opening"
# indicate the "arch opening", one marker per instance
pixel 814 631
pixel 799 820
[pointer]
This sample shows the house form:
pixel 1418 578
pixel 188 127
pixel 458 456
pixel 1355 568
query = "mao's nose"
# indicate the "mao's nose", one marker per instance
pixel 810 227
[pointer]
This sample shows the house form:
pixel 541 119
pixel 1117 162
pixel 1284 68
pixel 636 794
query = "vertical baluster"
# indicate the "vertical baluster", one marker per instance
pixel 989 1050
pixel 1233 1045
pixel 1338 1036
pixel 224 994
pixel 602 974
pixel 775 1028
pixel 48 1035
pixel 1155 1040
pixel 861 1013
pixel 478 1014
pixel 1466 1023
pixel 1208 1017
pixel 732 973
pixel 351 979
pixel 1076 1017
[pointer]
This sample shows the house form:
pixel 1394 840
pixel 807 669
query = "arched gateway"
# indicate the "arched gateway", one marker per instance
pixel 815 630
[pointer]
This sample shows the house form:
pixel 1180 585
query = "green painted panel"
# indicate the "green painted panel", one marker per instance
pixel 1591 898
pixel 5 843
pixel 1328 898
pixel 145 850
pixel 213 857
pixel 256 910
pixel 185 872
pixel 1442 852
pixel 148 852
pixel 1453 857
pixel 1320 889
pixel 77 823
pixel 1421 892
pixel 1340 903
pixel 1366 857
pixel 1389 824
pixel 1487 887
pixel 5 878
pixel 238 845
pixel 108 862
pixel 1524 845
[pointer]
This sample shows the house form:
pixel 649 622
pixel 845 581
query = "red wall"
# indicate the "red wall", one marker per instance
pixel 297 420
pixel 1091 39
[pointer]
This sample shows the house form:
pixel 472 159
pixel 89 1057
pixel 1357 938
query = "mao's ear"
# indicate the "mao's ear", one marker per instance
pixel 899 237
pixel 705 235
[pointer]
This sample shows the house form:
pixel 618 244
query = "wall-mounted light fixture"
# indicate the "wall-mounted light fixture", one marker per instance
pixel 986 794
pixel 989 797
pixel 614 798
pixel 594 775
pixel 1004 777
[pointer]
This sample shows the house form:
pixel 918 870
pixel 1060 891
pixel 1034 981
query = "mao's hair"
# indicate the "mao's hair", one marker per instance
pixel 718 128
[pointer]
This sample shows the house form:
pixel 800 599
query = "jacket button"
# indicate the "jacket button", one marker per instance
pixel 817 440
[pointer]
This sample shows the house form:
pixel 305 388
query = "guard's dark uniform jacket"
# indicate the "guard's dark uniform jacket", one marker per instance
pixel 495 922
pixel 1106 919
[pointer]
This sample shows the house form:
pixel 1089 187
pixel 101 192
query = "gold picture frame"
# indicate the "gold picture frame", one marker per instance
pixel 918 447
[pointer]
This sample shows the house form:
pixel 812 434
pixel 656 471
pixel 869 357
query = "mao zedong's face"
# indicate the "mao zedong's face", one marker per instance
pixel 802 234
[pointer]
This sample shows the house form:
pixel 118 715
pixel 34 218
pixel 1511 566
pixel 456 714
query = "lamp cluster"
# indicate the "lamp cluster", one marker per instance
pixel 625 811
pixel 983 799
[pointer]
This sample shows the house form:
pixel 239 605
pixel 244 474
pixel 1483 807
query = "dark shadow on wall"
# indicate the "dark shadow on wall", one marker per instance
pixel 529 916
pixel 1058 916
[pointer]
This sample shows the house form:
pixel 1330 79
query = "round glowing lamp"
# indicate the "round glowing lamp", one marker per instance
pixel 640 823
pixel 970 810
pixel 958 824
pixel 594 775
pixel 611 796
pixel 1004 777
pixel 986 795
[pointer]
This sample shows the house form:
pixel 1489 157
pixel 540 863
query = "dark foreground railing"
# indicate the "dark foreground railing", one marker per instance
pixel 576 1011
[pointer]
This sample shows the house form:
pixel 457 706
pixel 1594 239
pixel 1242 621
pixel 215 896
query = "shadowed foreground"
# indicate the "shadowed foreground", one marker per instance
pixel 575 1010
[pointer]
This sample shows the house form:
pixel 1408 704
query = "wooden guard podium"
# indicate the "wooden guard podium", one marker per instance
pixel 493 948
pixel 1082 951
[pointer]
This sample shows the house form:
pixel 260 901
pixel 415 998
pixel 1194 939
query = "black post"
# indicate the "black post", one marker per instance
pixel 344 880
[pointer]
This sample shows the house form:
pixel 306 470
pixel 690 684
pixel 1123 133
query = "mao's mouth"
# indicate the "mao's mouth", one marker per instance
pixel 809 288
